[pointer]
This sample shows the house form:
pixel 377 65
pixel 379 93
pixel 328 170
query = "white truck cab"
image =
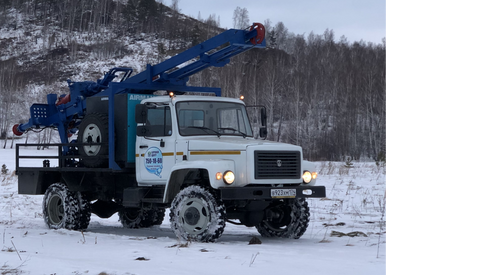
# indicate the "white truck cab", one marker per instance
pixel 212 133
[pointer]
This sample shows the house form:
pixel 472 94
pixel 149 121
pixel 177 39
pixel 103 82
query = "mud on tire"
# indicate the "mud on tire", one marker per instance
pixel 197 214
pixel 63 208
pixel 292 217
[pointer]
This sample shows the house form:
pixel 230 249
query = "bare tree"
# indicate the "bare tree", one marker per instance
pixel 241 18
pixel 175 6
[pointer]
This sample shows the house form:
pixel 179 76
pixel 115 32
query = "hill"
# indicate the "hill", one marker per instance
pixel 327 96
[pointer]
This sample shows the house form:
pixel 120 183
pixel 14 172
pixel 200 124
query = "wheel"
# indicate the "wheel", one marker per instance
pixel 198 215
pixel 94 129
pixel 158 217
pixel 63 208
pixel 141 217
pixel 288 219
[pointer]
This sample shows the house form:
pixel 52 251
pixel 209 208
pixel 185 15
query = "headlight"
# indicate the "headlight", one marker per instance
pixel 314 175
pixel 229 177
pixel 307 177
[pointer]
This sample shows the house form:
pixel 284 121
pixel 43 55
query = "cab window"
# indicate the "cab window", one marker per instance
pixel 159 122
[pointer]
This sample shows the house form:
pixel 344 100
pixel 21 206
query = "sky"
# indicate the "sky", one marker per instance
pixel 355 19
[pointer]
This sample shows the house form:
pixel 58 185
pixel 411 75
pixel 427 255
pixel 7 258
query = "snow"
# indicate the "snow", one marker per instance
pixel 355 197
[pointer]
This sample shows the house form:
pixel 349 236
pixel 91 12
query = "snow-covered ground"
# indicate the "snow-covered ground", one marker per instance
pixel 355 204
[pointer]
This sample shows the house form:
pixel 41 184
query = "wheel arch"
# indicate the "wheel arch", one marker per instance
pixel 195 172
pixel 184 177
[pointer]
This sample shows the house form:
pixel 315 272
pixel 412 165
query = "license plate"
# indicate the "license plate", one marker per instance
pixel 283 193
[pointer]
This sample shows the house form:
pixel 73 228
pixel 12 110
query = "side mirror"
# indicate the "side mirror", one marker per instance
pixel 140 113
pixel 263 117
pixel 263 132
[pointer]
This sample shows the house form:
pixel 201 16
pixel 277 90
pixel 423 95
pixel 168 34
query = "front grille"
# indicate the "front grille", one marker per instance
pixel 277 164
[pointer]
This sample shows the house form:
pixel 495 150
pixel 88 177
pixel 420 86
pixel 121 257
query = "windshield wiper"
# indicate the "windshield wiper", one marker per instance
pixel 206 128
pixel 233 129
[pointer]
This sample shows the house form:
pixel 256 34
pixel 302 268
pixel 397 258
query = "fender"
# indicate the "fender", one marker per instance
pixel 180 171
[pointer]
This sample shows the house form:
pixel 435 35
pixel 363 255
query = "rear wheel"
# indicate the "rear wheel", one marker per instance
pixel 197 214
pixel 285 219
pixel 92 131
pixel 63 208
pixel 158 217
pixel 141 217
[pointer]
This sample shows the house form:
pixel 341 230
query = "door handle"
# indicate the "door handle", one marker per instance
pixel 143 146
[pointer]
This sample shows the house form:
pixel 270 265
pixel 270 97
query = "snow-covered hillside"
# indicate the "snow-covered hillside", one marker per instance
pixel 347 235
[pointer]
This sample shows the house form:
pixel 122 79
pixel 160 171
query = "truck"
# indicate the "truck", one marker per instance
pixel 150 142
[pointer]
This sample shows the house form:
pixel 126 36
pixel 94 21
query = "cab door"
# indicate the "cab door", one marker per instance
pixel 155 147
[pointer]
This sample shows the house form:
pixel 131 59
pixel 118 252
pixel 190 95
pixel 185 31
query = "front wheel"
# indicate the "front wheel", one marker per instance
pixel 63 208
pixel 197 214
pixel 285 219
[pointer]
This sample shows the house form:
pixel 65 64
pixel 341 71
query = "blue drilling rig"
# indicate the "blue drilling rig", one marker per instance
pixel 66 112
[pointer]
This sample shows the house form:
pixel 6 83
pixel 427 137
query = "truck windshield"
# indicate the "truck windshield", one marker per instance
pixel 212 118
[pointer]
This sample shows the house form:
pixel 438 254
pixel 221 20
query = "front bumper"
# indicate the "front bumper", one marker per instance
pixel 266 193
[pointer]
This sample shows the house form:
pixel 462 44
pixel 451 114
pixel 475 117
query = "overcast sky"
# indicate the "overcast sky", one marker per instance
pixel 356 19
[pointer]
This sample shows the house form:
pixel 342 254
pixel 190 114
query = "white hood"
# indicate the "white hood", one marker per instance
pixel 235 144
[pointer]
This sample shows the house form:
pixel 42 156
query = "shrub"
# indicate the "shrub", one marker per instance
pixel 4 169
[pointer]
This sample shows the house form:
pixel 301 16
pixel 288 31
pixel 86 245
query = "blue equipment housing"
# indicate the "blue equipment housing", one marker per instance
pixel 65 112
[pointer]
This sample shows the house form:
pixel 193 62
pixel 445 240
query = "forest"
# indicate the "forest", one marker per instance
pixel 323 93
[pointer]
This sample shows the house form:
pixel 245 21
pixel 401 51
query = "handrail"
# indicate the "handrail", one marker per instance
pixel 61 157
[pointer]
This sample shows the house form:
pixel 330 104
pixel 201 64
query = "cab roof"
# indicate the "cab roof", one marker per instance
pixel 179 98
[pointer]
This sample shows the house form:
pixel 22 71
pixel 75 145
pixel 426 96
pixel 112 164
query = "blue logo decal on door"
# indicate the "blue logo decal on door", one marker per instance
pixel 154 161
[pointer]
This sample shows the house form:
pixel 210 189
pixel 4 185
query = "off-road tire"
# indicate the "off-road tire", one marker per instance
pixel 293 220
pixel 94 129
pixel 63 208
pixel 141 217
pixel 198 214
pixel 158 216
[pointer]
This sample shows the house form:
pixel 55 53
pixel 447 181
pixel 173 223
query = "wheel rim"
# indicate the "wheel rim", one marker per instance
pixel 194 216
pixel 55 209
pixel 92 134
